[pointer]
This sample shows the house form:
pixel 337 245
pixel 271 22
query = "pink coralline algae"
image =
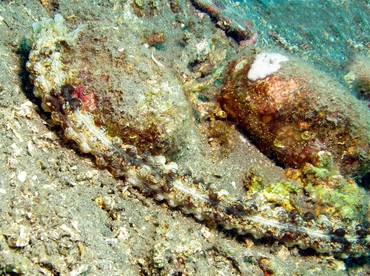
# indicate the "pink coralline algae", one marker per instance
pixel 87 98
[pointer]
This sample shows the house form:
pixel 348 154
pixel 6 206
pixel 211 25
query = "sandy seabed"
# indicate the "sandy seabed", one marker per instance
pixel 62 215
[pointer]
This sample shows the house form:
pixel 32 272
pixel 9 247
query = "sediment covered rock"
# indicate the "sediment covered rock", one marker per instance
pixel 294 112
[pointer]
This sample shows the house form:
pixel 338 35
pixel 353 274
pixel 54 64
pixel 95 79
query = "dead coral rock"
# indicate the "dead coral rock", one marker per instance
pixel 296 112
pixel 155 39
pixel 360 68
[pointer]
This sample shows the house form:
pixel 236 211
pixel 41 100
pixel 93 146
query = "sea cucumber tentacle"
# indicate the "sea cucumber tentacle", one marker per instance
pixel 160 178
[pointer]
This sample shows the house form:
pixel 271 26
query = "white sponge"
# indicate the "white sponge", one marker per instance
pixel 264 65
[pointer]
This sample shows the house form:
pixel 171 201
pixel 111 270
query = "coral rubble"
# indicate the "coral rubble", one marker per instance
pixel 272 212
pixel 227 19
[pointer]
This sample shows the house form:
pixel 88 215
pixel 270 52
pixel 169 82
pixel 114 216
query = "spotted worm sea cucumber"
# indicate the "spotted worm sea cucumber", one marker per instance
pixel 162 179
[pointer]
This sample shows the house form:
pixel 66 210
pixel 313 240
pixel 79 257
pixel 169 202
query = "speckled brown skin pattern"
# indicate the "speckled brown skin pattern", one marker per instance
pixel 155 176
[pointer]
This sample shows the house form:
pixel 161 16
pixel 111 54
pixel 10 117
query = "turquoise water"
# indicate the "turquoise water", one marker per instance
pixel 325 33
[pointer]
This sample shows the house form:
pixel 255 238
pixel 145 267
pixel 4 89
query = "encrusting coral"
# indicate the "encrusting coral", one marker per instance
pixel 262 214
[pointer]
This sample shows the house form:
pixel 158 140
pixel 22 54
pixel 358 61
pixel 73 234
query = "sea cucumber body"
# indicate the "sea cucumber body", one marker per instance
pixel 156 176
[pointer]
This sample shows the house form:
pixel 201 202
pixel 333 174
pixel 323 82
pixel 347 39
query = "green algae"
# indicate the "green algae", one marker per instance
pixel 346 202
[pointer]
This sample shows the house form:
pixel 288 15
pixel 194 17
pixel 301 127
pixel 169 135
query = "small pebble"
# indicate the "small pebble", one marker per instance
pixel 22 176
